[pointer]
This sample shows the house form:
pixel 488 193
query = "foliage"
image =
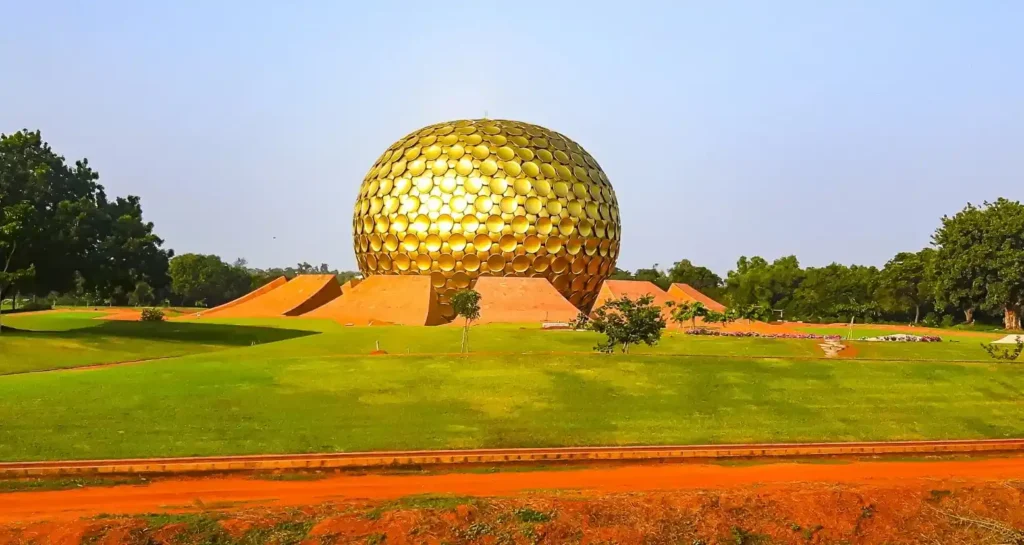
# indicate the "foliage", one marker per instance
pixel 908 281
pixel 1005 353
pixel 980 260
pixel 904 338
pixel 59 231
pixel 627 322
pixel 206 278
pixel 700 278
pixel 582 321
pixel 754 313
pixel 689 311
pixel 152 315
pixel 466 303
pixel 141 295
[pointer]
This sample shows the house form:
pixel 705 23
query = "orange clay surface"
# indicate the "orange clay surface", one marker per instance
pixel 634 289
pixel 299 295
pixel 189 494
pixel 383 300
pixel 509 300
pixel 687 294
pixel 262 290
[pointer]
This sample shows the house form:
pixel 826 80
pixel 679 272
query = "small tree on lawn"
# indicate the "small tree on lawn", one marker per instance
pixel 715 317
pixel 466 303
pixel 626 322
pixel 689 311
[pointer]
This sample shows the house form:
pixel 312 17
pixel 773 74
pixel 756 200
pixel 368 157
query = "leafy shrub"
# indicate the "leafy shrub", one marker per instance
pixel 626 322
pixel 930 320
pixel 947 320
pixel 152 315
pixel 38 304
pixel 582 321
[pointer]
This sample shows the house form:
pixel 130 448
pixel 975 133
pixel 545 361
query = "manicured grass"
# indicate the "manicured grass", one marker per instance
pixel 56 340
pixel 268 399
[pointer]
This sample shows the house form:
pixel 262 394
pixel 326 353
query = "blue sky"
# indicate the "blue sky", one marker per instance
pixel 836 131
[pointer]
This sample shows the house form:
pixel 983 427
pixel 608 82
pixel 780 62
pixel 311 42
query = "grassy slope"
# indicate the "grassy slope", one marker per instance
pixel 275 399
pixel 57 340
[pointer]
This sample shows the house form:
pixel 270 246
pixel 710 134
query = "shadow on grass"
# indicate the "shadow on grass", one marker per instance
pixel 189 332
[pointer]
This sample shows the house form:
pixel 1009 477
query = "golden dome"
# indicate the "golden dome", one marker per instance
pixel 468 198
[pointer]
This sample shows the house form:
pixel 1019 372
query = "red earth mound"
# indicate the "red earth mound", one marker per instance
pixel 262 290
pixel 510 300
pixel 686 293
pixel 298 296
pixel 385 300
pixel 634 289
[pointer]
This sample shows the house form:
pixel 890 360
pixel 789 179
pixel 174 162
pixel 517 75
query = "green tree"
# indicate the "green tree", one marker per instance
pixel 206 279
pixel 44 206
pixel 700 278
pixel 653 275
pixel 627 322
pixel 466 303
pixel 141 295
pixel 757 282
pixel 683 312
pixel 751 313
pixel 980 260
pixel 906 281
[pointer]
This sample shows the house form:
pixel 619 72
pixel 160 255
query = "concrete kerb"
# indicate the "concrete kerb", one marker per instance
pixel 370 460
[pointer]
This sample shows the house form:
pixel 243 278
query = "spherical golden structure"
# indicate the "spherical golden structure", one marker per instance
pixel 463 199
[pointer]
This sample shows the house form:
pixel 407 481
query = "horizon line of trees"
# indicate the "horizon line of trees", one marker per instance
pixel 975 270
pixel 63 240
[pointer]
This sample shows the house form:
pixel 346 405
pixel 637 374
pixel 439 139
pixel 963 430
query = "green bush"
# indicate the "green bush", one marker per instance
pixel 947 320
pixel 152 315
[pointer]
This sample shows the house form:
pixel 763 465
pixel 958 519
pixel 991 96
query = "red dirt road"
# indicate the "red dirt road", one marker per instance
pixel 190 494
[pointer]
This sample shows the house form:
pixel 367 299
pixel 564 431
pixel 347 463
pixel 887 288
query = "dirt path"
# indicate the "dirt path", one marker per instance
pixel 192 494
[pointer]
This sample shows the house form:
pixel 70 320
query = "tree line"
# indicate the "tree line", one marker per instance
pixel 62 239
pixel 973 270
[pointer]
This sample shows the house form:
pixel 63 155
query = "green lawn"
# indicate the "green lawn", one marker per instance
pixel 73 339
pixel 294 385
pixel 264 399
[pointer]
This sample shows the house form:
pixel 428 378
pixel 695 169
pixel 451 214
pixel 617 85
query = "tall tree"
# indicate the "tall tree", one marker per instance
pixel 980 260
pixel 906 281
pixel 757 282
pixel 43 205
pixel 206 279
pixel 653 275
pixel 702 279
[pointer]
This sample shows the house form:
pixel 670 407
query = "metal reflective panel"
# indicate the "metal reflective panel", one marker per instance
pixel 469 198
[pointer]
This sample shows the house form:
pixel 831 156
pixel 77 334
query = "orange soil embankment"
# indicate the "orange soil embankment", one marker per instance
pixel 385 300
pixel 688 294
pixel 298 296
pixel 512 300
pixel 190 494
pixel 634 289
pixel 262 290
pixel 129 315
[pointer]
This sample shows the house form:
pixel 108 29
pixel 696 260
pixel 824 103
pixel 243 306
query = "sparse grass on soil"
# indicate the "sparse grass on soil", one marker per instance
pixel 63 483
pixel 793 513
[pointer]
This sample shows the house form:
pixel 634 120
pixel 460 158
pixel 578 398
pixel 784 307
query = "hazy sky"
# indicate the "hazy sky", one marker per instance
pixel 836 131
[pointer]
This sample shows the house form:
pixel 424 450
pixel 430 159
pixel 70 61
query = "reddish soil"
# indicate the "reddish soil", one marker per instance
pixel 510 300
pixel 129 315
pixel 298 296
pixel 262 290
pixel 857 502
pixel 385 300
pixel 689 294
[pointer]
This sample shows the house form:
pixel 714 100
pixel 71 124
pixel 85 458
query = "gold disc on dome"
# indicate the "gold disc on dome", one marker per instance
pixel 460 199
